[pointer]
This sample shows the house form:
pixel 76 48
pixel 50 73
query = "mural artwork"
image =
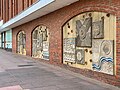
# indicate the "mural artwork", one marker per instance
pixel 88 42
pixel 98 29
pixel 44 35
pixel 80 56
pixel 46 50
pixel 40 43
pixel 21 43
pixel 83 28
pixel 69 49
pixel 103 56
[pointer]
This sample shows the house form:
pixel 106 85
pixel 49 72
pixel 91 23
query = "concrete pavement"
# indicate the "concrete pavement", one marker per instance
pixel 23 73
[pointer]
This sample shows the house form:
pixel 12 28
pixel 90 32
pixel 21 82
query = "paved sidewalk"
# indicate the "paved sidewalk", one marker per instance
pixel 22 73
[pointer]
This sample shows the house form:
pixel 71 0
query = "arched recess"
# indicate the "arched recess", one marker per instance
pixel 89 42
pixel 21 43
pixel 40 42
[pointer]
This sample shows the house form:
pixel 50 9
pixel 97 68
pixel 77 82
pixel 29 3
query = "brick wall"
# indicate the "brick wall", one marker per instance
pixel 10 8
pixel 55 20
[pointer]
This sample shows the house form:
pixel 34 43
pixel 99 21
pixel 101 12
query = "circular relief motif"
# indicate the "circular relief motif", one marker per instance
pixel 106 47
pixel 79 56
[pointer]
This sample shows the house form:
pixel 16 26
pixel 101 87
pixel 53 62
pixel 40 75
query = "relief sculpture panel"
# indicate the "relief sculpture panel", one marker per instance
pixel 80 56
pixel 69 50
pixel 103 56
pixel 83 28
pixel 98 29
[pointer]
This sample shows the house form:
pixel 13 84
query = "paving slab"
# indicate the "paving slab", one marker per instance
pixel 19 72
pixel 12 88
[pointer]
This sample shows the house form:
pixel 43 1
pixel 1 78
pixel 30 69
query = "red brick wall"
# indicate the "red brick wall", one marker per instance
pixel 10 8
pixel 4 8
pixel 1 12
pixel 20 6
pixel 55 20
pixel 7 9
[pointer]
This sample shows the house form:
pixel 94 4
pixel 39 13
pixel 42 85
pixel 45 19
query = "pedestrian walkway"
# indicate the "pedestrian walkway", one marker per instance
pixel 23 73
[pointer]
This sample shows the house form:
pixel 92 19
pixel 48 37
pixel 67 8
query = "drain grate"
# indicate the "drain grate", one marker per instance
pixel 25 65
pixel 31 62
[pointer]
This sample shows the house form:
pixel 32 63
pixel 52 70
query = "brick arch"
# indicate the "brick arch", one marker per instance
pixel 97 8
pixel 102 8
pixel 20 31
pixel 32 43
pixel 33 28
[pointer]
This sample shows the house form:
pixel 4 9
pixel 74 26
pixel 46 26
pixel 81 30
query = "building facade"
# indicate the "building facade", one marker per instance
pixel 8 10
pixel 80 35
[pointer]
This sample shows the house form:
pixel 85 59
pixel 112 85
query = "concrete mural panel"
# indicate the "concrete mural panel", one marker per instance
pixel 98 29
pixel 80 56
pixel 45 35
pixel 40 43
pixel 21 43
pixel 83 28
pixel 103 60
pixel 69 49
pixel 46 50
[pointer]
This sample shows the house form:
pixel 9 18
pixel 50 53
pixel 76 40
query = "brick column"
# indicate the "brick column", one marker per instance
pixel 118 48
